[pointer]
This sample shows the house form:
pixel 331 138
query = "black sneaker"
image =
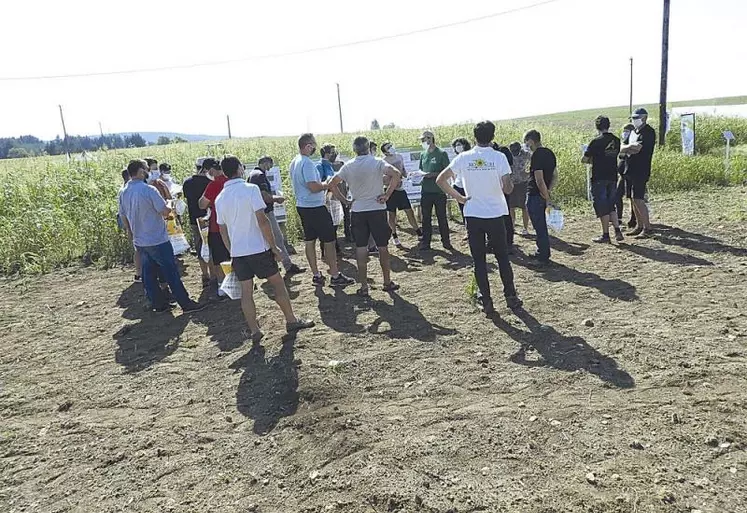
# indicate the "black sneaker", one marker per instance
pixel 299 324
pixel 514 302
pixel 341 281
pixel 294 269
pixel 619 236
pixel 138 279
pixel 602 239
pixel 318 280
pixel 194 307
pixel 223 297
pixel 166 308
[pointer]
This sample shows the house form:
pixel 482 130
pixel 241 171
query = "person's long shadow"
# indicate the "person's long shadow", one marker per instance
pixel 557 272
pixel 405 321
pixel 560 352
pixel 455 260
pixel 672 236
pixel 155 337
pixel 404 266
pixel 571 248
pixel 338 311
pixel 664 256
pixel 268 388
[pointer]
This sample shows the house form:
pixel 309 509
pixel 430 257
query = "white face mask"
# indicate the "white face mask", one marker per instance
pixel 638 123
pixel 166 176
pixel 425 145
pixel 391 150
pixel 525 147
pixel 154 175
pixel 459 148
pixel 210 176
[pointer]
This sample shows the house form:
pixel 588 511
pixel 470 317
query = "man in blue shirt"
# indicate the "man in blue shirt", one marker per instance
pixel 310 192
pixel 142 209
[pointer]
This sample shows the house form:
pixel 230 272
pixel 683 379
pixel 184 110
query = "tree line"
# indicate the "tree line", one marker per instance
pixel 30 146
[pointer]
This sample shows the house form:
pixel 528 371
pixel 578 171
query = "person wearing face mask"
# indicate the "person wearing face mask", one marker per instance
pixel 142 210
pixel 399 199
pixel 310 192
pixel 218 251
pixel 433 160
pixel 259 178
pixel 153 177
pixel 602 153
pixel 640 153
pixel 460 145
pixel 328 152
pixel 623 185
pixel 520 178
pixel 164 169
pixel 542 167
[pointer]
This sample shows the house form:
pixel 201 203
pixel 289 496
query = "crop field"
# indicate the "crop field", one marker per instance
pixel 619 387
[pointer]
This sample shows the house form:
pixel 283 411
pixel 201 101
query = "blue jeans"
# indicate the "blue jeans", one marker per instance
pixel 162 256
pixel 536 206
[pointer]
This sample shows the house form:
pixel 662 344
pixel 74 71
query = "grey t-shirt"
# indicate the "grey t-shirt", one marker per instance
pixel 397 161
pixel 142 206
pixel 365 178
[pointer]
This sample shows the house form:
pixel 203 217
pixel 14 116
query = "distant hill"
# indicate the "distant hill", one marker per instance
pixel 152 137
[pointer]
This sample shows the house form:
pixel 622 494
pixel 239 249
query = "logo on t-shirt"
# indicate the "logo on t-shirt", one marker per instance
pixel 481 164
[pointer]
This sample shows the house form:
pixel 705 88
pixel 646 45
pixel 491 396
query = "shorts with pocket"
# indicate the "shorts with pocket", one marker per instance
pixel 604 197
pixel 317 224
pixel 636 186
pixel 398 201
pixel 372 223
pixel 218 251
pixel 262 265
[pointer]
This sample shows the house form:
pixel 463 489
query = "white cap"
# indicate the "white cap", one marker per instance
pixel 199 161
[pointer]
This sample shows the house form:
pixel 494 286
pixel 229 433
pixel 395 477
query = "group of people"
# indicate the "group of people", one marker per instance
pixel 489 181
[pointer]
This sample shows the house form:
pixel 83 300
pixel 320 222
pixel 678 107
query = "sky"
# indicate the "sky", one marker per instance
pixel 558 56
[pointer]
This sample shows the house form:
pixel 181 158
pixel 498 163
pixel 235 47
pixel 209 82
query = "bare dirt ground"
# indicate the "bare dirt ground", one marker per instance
pixel 431 408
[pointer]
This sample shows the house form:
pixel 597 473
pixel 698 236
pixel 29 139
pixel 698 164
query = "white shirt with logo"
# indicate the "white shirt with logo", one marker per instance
pixel 480 171
pixel 236 208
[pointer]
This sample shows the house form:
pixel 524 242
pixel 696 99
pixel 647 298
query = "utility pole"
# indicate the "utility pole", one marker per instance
pixel 228 120
pixel 64 133
pixel 664 73
pixel 631 86
pixel 101 130
pixel 339 106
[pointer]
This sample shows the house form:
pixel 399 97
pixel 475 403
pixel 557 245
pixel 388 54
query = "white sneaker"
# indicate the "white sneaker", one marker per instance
pixel 524 232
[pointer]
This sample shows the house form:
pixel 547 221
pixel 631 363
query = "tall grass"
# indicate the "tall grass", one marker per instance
pixel 53 213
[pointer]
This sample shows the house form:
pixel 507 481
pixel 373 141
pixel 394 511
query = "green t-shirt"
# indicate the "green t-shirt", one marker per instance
pixel 433 162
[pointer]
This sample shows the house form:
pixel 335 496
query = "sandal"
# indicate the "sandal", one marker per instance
pixel 390 287
pixel 362 292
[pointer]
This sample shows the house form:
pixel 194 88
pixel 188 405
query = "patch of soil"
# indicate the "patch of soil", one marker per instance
pixel 619 387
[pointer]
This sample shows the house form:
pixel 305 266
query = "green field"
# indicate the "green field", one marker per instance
pixel 53 213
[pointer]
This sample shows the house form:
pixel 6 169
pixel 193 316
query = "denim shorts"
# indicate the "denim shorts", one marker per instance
pixel 604 196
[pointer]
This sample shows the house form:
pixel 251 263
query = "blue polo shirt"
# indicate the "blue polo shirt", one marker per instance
pixel 325 169
pixel 302 171
pixel 142 205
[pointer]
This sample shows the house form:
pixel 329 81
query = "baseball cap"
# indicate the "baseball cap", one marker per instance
pixel 210 163
pixel 426 133
pixel 639 113
pixel 199 161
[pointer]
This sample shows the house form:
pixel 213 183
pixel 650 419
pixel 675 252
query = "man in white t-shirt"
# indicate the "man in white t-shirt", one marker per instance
pixel 399 199
pixel 486 178
pixel 247 234
pixel 365 176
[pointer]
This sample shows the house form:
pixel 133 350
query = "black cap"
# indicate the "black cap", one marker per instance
pixel 639 113
pixel 210 163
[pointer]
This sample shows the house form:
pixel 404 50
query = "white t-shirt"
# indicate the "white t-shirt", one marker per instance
pixel 480 170
pixel 236 207
pixel 365 178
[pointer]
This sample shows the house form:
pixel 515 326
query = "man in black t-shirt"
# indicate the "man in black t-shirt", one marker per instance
pixel 542 170
pixel 193 188
pixel 623 186
pixel 640 153
pixel 259 178
pixel 602 153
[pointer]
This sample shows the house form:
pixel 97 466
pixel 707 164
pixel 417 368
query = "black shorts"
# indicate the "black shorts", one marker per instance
pixel 196 238
pixel 218 251
pixel 604 194
pixel 371 223
pixel 261 265
pixel 636 186
pixel 317 224
pixel 398 201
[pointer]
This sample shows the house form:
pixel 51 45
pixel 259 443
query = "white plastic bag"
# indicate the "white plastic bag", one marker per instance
pixel 180 206
pixel 231 286
pixel 555 219
pixel 335 210
pixel 179 242
pixel 204 227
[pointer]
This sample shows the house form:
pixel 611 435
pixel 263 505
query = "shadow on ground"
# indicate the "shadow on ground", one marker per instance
pixel 560 352
pixel 268 388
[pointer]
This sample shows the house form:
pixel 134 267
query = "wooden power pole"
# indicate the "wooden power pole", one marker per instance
pixel 64 133
pixel 339 107
pixel 228 120
pixel 664 73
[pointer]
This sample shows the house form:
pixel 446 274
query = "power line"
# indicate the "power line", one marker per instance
pixel 283 54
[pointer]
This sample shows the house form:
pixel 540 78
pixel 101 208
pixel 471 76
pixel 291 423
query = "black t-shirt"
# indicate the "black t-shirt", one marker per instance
pixel 542 159
pixel 259 178
pixel 603 151
pixel 639 165
pixel 506 152
pixel 193 188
